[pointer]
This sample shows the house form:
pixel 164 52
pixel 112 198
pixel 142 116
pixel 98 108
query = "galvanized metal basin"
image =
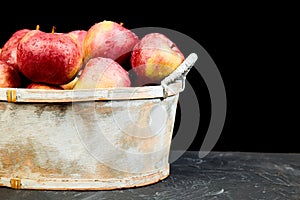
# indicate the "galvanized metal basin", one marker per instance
pixel 88 139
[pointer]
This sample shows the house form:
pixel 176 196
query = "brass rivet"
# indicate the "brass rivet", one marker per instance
pixel 15 183
pixel 11 95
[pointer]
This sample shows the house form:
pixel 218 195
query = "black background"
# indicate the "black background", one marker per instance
pixel 252 45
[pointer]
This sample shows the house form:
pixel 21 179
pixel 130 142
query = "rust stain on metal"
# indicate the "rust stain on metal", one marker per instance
pixel 58 109
pixel 105 172
pixel 107 108
pixel 22 158
pixel 2 107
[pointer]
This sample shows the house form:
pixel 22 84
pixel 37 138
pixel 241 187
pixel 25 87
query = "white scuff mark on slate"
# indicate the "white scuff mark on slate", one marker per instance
pixel 215 193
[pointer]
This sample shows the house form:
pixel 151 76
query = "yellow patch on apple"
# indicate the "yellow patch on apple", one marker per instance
pixel 157 69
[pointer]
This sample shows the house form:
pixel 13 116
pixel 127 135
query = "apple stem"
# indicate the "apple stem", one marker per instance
pixel 121 23
pixel 37 27
pixel 53 29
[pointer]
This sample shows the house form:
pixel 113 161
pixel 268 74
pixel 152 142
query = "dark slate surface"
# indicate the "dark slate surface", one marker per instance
pixel 219 175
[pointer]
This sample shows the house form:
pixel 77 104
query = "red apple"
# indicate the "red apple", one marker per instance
pixel 110 40
pixel 43 86
pixel 154 57
pixel 9 49
pixel 79 36
pixel 52 58
pixel 102 72
pixel 9 76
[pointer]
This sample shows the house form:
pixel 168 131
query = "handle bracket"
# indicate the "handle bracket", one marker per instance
pixel 179 73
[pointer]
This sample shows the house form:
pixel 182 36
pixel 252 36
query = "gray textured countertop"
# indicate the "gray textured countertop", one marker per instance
pixel 219 175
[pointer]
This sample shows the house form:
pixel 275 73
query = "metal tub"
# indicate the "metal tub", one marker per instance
pixel 98 139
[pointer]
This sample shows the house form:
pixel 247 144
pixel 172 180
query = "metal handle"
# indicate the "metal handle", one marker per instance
pixel 179 73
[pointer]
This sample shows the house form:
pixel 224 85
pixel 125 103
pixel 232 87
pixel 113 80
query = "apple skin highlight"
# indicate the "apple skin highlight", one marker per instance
pixel 110 40
pixel 102 72
pixel 9 49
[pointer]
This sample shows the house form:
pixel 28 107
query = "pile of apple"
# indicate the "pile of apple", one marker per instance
pixel 86 59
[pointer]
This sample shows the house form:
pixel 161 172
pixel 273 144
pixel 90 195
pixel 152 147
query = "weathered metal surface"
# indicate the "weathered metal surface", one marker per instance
pixel 88 139
pixel 86 145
